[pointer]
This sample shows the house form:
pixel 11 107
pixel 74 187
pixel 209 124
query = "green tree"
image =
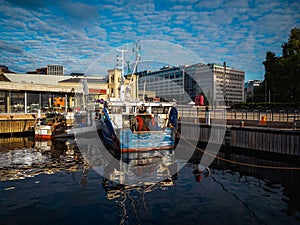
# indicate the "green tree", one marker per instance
pixel 282 74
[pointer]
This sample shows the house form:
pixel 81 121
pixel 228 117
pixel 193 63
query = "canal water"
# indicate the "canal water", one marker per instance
pixel 50 182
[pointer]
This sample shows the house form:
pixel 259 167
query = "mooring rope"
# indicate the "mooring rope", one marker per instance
pixel 236 162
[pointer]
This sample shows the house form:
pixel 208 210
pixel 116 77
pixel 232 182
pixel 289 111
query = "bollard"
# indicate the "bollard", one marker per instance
pixel 242 123
pixel 207 115
pixel 263 120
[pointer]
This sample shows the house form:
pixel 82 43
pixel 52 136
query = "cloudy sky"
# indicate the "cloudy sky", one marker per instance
pixel 76 34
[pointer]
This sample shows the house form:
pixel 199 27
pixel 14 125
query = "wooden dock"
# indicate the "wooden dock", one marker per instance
pixel 11 124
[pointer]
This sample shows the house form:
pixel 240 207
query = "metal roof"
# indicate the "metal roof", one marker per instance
pixel 35 78
pixel 49 79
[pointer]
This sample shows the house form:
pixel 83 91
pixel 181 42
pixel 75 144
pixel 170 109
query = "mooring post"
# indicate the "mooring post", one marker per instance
pixel 207 115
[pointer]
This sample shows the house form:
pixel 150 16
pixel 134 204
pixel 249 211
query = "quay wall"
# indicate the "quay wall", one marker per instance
pixel 16 123
pixel 268 140
pixel 262 139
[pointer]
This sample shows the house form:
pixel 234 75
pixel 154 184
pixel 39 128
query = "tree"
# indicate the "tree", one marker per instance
pixel 282 74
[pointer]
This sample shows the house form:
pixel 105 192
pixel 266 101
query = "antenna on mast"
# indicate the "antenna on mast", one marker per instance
pixel 122 62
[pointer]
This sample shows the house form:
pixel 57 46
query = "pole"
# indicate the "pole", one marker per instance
pixel 66 103
pixel 25 102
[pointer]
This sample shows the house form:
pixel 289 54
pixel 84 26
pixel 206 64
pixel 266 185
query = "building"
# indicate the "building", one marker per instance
pixel 228 84
pixel 168 83
pixel 97 86
pixel 114 83
pixel 23 92
pixel 250 87
pixel 49 70
pixel 5 69
pixel 219 84
pixel 55 70
pixel 29 92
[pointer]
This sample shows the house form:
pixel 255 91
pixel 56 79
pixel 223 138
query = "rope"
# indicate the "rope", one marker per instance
pixel 236 162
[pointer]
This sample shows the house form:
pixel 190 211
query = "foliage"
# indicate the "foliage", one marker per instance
pixel 282 73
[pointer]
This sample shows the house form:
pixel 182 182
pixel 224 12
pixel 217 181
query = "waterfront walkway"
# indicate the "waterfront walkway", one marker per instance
pixel 281 119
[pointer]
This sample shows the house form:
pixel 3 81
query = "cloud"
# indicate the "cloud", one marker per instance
pixel 9 48
pixel 28 4
pixel 79 11
pixel 76 33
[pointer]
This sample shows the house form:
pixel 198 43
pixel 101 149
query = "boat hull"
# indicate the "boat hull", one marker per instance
pixel 126 141
pixel 139 132
pixel 79 130
pixel 49 132
pixel 43 132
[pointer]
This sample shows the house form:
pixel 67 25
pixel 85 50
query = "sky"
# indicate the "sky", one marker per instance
pixel 78 34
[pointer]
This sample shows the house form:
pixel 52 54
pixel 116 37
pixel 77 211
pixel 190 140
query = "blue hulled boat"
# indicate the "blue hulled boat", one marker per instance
pixel 128 124
pixel 139 126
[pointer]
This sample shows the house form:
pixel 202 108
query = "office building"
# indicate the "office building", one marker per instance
pixel 55 70
pixel 250 87
pixel 220 84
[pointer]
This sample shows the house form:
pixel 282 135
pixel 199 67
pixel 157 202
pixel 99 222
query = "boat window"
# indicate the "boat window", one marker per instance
pixel 116 110
pixel 166 109
pixel 133 109
pixel 142 109
pixel 157 110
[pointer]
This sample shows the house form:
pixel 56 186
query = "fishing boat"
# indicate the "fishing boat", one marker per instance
pixel 139 126
pixel 49 126
pixel 84 122
pixel 129 124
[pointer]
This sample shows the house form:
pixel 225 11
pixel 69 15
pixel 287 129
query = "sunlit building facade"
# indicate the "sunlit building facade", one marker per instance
pixel 220 84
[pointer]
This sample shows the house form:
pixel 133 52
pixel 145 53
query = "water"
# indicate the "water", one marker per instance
pixel 51 183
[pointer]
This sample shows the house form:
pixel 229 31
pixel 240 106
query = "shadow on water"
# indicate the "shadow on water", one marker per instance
pixel 279 170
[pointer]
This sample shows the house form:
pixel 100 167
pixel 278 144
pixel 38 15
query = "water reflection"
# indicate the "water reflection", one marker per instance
pixel 131 199
pixel 26 157
pixel 257 193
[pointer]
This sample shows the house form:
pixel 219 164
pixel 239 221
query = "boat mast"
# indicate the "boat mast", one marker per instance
pixel 122 62
pixel 85 93
pixel 136 48
pixel 122 94
pixel 126 91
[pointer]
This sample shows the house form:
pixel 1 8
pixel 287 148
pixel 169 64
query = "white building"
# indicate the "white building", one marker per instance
pixel 55 70
pixel 220 84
